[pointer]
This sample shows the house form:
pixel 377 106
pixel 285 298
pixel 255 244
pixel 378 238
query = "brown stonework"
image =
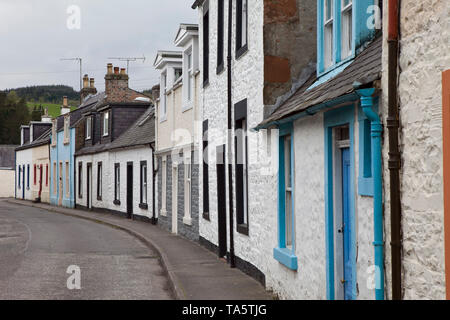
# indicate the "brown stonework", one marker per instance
pixel 276 69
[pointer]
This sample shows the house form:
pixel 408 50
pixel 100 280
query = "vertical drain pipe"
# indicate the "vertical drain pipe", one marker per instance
pixel 230 157
pixel 394 152
pixel 376 132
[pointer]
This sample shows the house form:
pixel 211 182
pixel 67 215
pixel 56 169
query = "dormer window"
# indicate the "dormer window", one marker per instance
pixel 106 123
pixel 88 128
pixel 346 25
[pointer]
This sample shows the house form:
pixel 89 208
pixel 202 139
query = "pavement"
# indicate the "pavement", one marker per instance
pixel 194 272
pixel 42 252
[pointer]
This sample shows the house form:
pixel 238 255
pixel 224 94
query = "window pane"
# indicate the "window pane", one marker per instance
pixel 244 22
pixel 288 219
pixel 287 161
pixel 328 9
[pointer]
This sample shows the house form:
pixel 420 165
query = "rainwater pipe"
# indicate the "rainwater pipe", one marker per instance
pixel 376 128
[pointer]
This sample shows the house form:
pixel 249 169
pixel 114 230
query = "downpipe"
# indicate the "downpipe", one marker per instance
pixel 367 99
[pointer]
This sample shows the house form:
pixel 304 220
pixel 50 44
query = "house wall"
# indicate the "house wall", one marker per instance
pixel 109 159
pixel 7 177
pixel 424 55
pixel 24 158
pixel 40 156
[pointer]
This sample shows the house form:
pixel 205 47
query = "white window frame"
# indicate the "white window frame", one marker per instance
pixel 328 35
pixel 105 123
pixel 188 79
pixel 88 128
pixel 346 29
pixel 144 183
pixel 187 219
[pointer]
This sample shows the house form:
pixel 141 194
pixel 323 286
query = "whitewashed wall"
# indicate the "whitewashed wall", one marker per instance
pixel 24 157
pixel 7 177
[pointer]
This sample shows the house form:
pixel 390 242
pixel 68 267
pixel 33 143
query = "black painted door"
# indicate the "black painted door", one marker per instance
pixel 129 190
pixel 221 200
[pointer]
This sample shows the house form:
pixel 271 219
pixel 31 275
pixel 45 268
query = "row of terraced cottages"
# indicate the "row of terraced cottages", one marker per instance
pixel 281 148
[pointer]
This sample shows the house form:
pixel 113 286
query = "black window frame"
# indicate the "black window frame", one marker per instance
pixel 143 205
pixel 205 172
pixel 240 115
pixel 206 21
pixel 80 178
pixel 241 49
pixel 220 35
pixel 116 192
pixel 99 181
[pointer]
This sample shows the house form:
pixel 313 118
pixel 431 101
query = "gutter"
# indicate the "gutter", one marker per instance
pixel 393 124
pixel 154 173
pixel 367 98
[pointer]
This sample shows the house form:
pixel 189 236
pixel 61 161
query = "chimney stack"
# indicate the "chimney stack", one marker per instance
pixel 88 87
pixel 45 117
pixel 65 107
pixel 116 84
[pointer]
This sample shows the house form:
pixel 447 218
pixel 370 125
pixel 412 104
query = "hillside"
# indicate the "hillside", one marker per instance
pixel 46 94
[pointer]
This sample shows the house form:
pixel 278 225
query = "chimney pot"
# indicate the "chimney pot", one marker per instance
pixel 65 103
pixel 122 71
pixel 85 81
pixel 109 68
pixel 92 83
pixel 116 70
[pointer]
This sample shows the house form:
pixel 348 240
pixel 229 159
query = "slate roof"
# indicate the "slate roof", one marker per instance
pixel 7 157
pixel 365 69
pixel 141 132
pixel 42 140
pixel 89 103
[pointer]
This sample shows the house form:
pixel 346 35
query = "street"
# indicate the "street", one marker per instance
pixel 37 247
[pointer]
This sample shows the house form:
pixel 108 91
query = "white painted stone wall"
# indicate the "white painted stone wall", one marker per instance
pixel 24 158
pixel 7 177
pixel 109 159
pixel 424 55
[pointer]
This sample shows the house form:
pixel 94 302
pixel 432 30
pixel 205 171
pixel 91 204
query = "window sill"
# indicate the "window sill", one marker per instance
pixel 187 108
pixel 242 228
pixel 187 221
pixel 163 119
pixel 116 202
pixel 365 186
pixel 220 68
pixel 206 216
pixel 143 206
pixel 163 213
pixel 285 257
pixel 241 51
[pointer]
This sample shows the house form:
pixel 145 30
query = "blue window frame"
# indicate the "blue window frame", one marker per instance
pixel 342 27
pixel 285 252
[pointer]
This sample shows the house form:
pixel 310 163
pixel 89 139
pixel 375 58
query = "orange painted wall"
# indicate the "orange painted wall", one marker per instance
pixel 446 152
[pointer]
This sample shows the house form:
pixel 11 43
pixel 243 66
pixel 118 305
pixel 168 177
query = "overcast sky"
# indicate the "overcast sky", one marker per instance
pixel 34 36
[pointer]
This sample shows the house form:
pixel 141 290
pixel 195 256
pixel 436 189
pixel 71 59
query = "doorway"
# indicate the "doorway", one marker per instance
pixel 175 198
pixel 23 182
pixel 89 186
pixel 130 190
pixel 221 200
pixel 60 193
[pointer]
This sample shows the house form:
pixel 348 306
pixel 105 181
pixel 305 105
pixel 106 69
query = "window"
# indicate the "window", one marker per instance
pixel 46 175
pixel 66 129
pixel 241 154
pixel 19 170
pixel 117 183
pixel 220 36
pixel 178 73
pixel 88 128
pixel 241 27
pixel 365 177
pixel 163 186
pixel 205 44
pixel 346 25
pixel 106 123
pixel 143 204
pixel 205 171
pixel 285 252
pixel 187 191
pixel 54 177
pixel 34 175
pixel 80 180
pixel 164 96
pixel 28 176
pixel 328 33
pixel 67 179
pixel 54 133
pixel 189 75
pixel 99 181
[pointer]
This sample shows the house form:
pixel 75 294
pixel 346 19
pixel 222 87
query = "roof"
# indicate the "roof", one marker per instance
pixel 163 57
pixel 197 3
pixel 185 32
pixel 141 132
pixel 7 156
pixel 364 69
pixel 41 140
pixel 89 103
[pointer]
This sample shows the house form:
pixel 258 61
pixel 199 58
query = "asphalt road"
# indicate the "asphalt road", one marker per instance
pixel 37 247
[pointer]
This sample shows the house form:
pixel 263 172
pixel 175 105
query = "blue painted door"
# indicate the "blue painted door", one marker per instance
pixel 346 196
pixel 23 182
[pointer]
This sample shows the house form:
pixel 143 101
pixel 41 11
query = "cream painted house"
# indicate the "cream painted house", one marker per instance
pixel 177 129
pixel 7 170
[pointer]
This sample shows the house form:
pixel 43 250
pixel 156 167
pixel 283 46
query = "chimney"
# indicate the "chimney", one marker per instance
pixel 109 68
pixel 65 107
pixel 155 93
pixel 116 84
pixel 45 117
pixel 88 87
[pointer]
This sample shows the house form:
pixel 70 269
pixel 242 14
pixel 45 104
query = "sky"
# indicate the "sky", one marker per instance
pixel 36 34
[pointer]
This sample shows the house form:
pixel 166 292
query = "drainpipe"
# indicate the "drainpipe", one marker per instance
pixel 154 173
pixel 394 152
pixel 376 132
pixel 230 156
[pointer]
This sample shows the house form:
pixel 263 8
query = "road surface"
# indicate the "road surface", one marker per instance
pixel 38 247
